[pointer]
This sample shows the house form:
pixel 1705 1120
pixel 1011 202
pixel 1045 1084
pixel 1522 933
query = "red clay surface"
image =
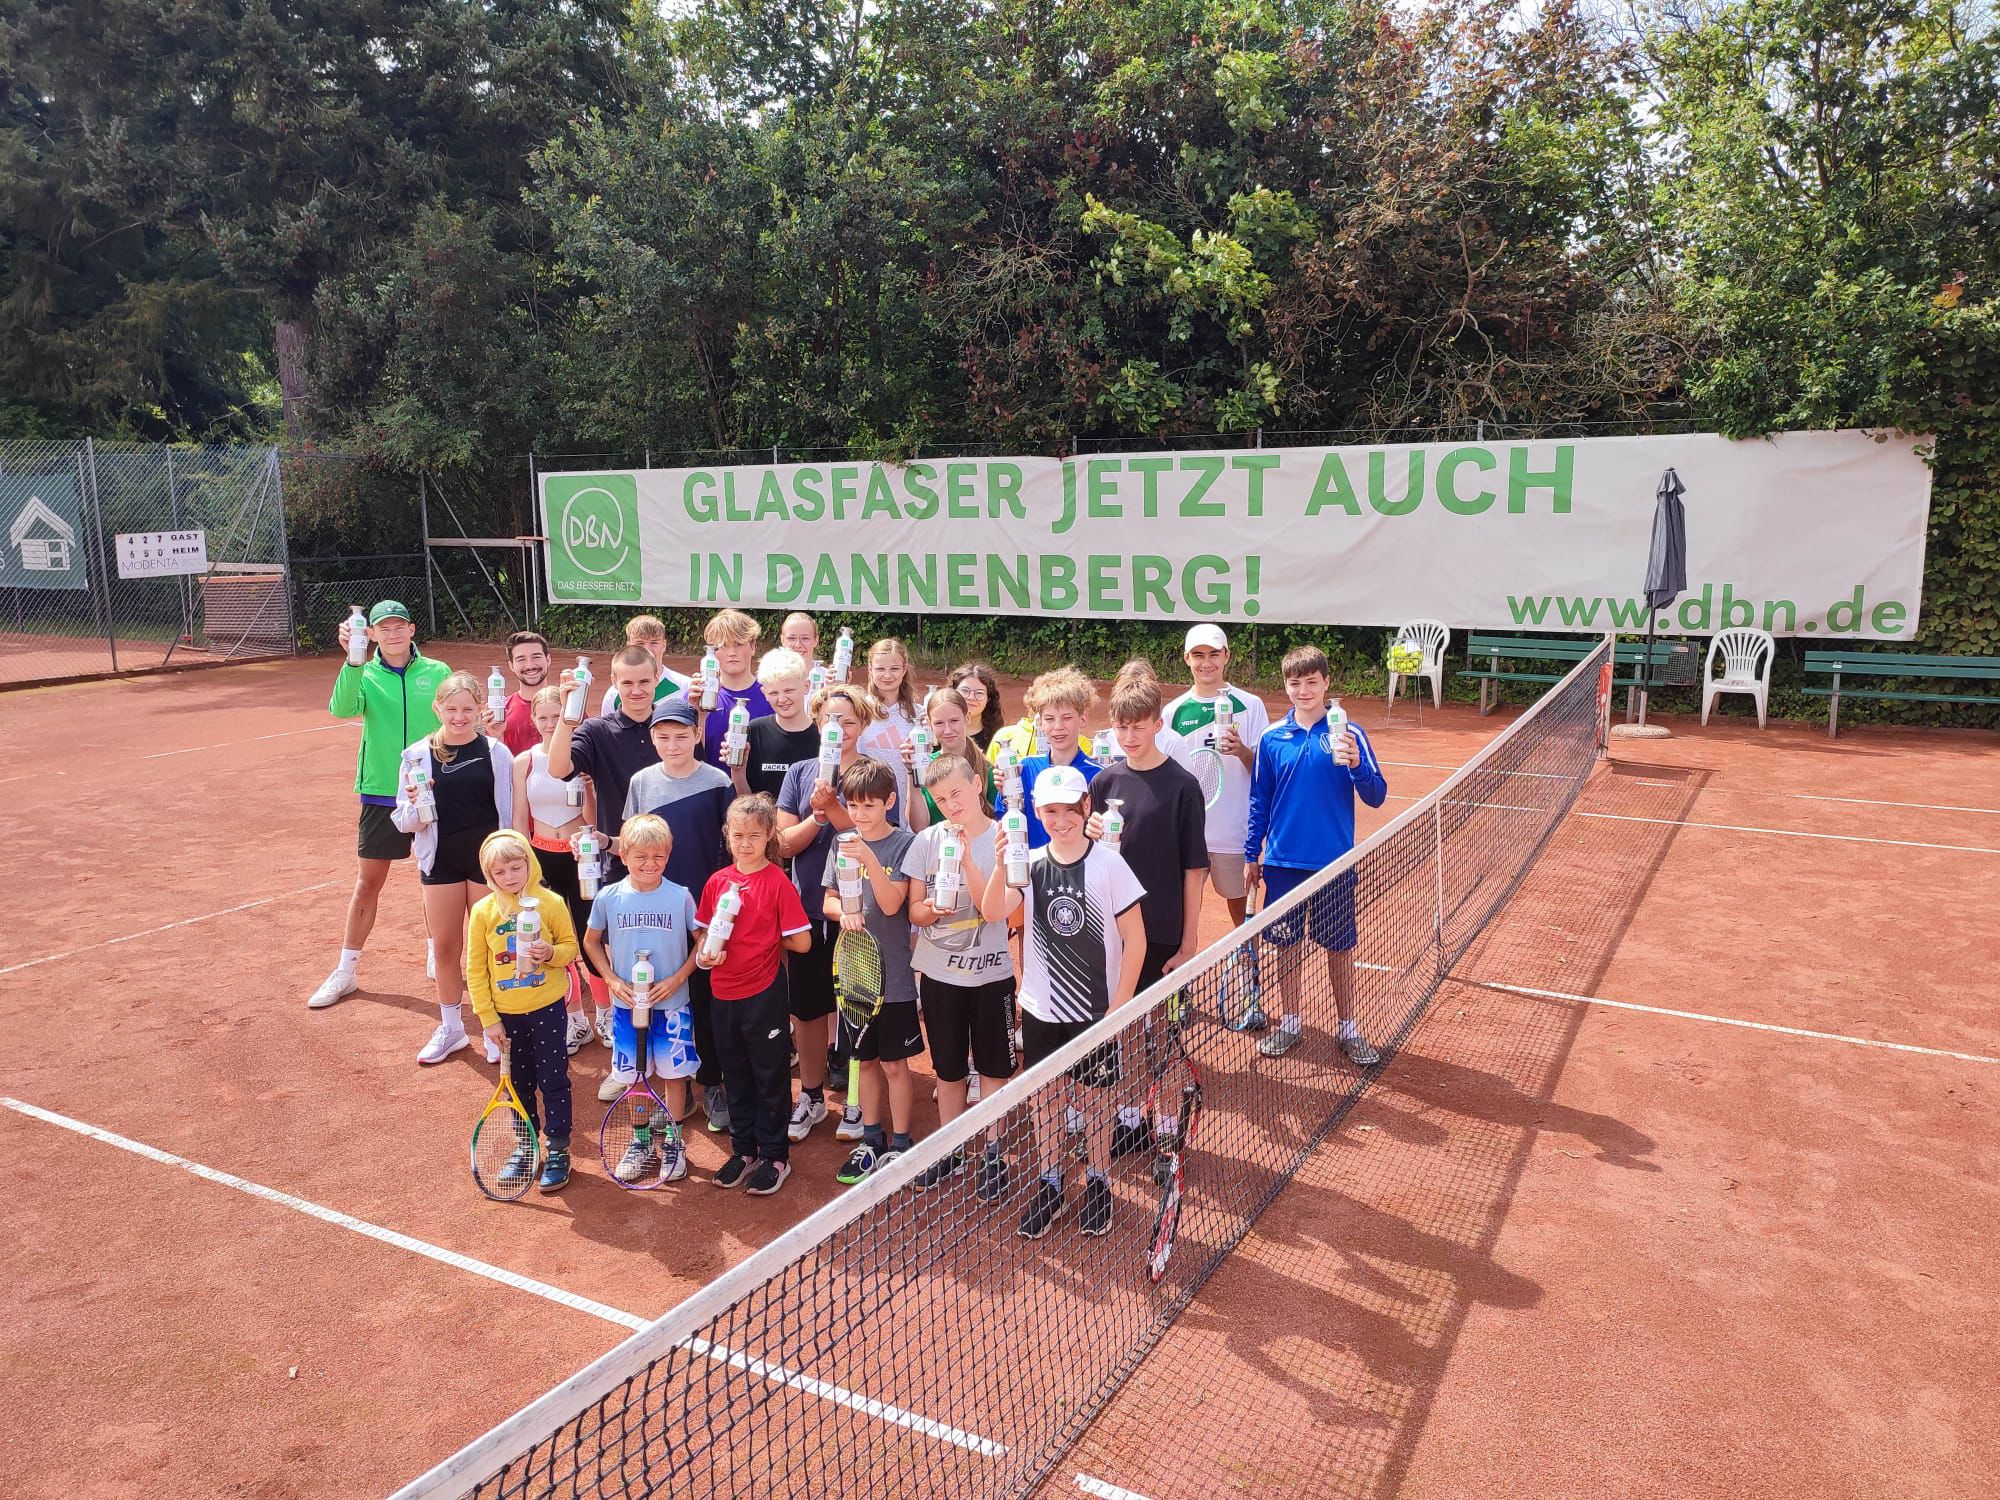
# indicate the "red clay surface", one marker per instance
pixel 1558 1250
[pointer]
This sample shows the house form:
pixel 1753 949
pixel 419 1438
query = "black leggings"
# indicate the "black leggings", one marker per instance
pixel 753 1042
pixel 559 875
pixel 538 1062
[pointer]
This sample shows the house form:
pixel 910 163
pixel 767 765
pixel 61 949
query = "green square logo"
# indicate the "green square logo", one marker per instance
pixel 593 522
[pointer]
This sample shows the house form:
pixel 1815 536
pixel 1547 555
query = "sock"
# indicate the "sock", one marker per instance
pixel 1130 1116
pixel 875 1137
pixel 1348 1030
pixel 818 1096
pixel 1053 1178
pixel 453 1017
pixel 992 1151
pixel 1291 1023
pixel 349 957
pixel 430 950
pixel 901 1141
pixel 1093 1175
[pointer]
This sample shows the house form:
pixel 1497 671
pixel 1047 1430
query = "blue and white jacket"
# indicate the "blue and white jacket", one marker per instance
pixel 1302 799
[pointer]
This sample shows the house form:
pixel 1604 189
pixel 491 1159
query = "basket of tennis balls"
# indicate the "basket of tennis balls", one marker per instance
pixel 1406 659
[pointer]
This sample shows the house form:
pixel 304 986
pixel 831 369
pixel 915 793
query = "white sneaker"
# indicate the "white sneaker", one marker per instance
pixel 580 1031
pixel 971 1088
pixel 604 1027
pixel 336 987
pixel 615 1084
pixel 431 960
pixel 807 1113
pixel 850 1124
pixel 444 1041
pixel 492 1050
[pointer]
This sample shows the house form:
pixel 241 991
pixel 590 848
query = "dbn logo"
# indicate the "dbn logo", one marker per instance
pixel 592 530
pixel 597 526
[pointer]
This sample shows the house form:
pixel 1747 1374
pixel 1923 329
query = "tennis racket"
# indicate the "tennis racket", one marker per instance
pixel 1173 1110
pixel 1204 762
pixel 639 1143
pixel 857 990
pixel 506 1149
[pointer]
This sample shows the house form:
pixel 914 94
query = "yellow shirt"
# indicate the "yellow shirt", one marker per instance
pixel 489 956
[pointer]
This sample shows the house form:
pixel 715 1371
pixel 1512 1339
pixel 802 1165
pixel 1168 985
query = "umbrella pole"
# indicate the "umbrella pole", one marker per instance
pixel 1646 671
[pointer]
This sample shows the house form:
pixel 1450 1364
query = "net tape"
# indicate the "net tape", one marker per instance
pixel 908 1341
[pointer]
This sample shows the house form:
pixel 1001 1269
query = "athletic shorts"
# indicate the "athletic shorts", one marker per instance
pixel 1225 873
pixel 380 838
pixel 670 1049
pixel 1328 916
pixel 811 974
pixel 975 1018
pixel 1040 1039
pixel 893 1035
pixel 457 858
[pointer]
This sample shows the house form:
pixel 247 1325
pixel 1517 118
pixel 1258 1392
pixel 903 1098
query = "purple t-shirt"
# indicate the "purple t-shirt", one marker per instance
pixel 716 725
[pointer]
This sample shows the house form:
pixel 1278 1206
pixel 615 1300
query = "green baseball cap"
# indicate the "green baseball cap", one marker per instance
pixel 389 609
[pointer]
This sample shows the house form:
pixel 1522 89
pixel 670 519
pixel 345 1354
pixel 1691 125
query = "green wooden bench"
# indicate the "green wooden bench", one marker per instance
pixel 1899 667
pixel 1562 652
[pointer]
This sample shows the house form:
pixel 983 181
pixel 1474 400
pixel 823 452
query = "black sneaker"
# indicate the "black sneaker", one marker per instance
pixel 990 1179
pixel 1046 1208
pixel 1130 1140
pixel 1096 1216
pixel 940 1172
pixel 767 1177
pixel 733 1172
pixel 860 1162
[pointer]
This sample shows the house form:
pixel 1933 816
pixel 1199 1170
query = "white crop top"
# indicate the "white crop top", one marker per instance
pixel 548 798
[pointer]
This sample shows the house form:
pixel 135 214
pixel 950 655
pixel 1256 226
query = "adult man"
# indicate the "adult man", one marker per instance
pixel 528 656
pixel 392 695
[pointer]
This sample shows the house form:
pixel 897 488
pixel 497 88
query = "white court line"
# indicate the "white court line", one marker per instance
pixel 49 958
pixel 1993 812
pixel 225 744
pixel 1695 1015
pixel 632 1322
pixel 1791 833
pixel 1105 1491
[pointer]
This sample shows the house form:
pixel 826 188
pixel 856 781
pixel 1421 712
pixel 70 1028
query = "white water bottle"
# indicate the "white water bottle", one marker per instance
pixel 589 868
pixel 642 988
pixel 1015 823
pixel 1336 724
pixel 1108 748
pixel 950 872
pixel 1009 770
pixel 829 754
pixel 711 679
pixel 527 931
pixel 573 791
pixel 573 706
pixel 736 743
pixel 727 905
pixel 817 678
pixel 843 654
pixel 496 694
pixel 1114 825
pixel 847 873
pixel 357 638
pixel 427 808
pixel 1225 715
pixel 922 750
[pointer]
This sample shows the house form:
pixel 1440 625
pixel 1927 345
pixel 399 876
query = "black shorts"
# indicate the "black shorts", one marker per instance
pixel 1040 1039
pixel 1155 966
pixel 811 975
pixel 457 858
pixel 380 838
pixel 970 1017
pixel 893 1035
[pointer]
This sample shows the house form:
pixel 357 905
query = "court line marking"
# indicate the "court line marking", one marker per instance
pixel 1695 1015
pixel 131 937
pixel 631 1322
pixel 253 739
pixel 1791 833
pixel 1993 812
pixel 1105 1491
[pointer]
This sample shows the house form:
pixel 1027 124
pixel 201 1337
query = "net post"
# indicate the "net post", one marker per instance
pixel 1437 861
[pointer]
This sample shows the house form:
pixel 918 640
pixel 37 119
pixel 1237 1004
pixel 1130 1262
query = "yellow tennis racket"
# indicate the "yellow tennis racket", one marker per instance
pixel 506 1148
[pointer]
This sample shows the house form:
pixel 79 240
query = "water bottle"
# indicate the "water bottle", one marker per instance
pixel 357 638
pixel 727 905
pixel 1015 823
pixel 817 678
pixel 527 930
pixel 496 694
pixel 642 988
pixel 711 680
pixel 1108 748
pixel 950 872
pixel 922 750
pixel 829 754
pixel 736 743
pixel 1225 715
pixel 1336 724
pixel 589 869
pixel 1114 825
pixel 1009 772
pixel 573 706
pixel 573 792
pixel 847 873
pixel 427 808
pixel 843 654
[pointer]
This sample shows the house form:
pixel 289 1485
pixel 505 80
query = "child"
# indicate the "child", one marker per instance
pixel 1191 716
pixel 732 636
pixel 471 778
pixel 649 633
pixel 868 790
pixel 800 635
pixel 786 735
pixel 648 913
pixel 693 801
pixel 810 813
pixel 895 698
pixel 1082 943
pixel 1301 820
pixel 1061 702
pixel 980 689
pixel 614 747
pixel 965 971
pixel 542 810
pixel 750 997
pixel 950 724
pixel 527 1015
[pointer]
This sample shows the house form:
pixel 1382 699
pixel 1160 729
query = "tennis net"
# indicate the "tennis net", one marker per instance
pixel 908 1341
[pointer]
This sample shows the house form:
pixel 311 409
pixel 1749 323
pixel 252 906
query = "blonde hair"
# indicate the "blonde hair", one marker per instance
pixel 645 628
pixel 952 697
pixel 799 614
pixel 855 698
pixel 458 682
pixel 645 831
pixel 1065 687
pixel 758 808
pixel 906 693
pixel 501 843
pixel 1137 667
pixel 731 626
pixel 548 692
pixel 777 664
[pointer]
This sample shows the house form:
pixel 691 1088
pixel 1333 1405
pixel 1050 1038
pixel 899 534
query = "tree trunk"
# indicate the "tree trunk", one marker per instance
pixel 294 336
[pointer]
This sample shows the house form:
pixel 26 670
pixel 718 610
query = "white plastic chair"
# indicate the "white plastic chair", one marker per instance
pixel 1431 637
pixel 1746 657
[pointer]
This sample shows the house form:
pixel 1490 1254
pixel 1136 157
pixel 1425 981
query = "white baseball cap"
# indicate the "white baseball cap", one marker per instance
pixel 1210 636
pixel 1060 786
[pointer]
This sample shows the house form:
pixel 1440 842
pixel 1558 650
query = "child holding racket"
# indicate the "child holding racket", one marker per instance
pixel 744 955
pixel 518 990
pixel 868 790
pixel 543 811
pixel 1061 702
pixel 646 912
pixel 1302 820
pixel 949 719
pixel 1216 717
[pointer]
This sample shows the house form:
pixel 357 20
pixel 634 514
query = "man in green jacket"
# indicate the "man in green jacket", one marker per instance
pixel 392 696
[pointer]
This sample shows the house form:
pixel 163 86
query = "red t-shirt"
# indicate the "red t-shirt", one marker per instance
pixel 771 912
pixel 517 729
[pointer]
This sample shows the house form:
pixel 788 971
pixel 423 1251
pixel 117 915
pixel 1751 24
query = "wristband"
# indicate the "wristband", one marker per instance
pixel 822 819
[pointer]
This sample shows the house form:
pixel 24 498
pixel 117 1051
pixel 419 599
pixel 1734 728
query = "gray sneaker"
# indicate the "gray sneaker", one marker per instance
pixel 1358 1051
pixel 1279 1040
pixel 715 1104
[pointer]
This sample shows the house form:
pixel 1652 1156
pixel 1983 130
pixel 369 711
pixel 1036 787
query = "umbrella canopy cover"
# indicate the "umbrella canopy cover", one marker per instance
pixel 1666 562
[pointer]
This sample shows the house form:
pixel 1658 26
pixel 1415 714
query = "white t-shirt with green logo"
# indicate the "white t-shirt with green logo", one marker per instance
pixel 1192 719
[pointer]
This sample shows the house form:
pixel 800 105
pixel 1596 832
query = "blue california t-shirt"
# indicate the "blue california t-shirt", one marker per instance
pixel 659 921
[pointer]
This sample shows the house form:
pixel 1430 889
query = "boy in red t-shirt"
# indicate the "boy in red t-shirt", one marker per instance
pixel 752 1011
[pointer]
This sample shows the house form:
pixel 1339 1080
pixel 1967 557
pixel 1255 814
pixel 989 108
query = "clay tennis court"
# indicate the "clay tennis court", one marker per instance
pixel 1682 1185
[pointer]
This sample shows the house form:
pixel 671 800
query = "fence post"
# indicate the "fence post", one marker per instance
pixel 535 524
pixel 180 579
pixel 103 555
pixel 424 520
pixel 284 548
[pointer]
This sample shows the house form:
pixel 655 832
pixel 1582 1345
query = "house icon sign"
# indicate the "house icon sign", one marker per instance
pixel 42 538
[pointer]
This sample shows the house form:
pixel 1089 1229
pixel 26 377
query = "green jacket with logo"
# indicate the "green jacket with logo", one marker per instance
pixel 395 710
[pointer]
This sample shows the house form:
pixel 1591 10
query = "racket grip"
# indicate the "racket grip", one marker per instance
pixel 853 1080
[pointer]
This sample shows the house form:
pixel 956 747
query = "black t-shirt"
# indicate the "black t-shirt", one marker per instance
pixel 774 751
pixel 1164 838
pixel 463 787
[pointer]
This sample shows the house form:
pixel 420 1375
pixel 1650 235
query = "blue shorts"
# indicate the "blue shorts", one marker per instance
pixel 1327 915
pixel 670 1049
